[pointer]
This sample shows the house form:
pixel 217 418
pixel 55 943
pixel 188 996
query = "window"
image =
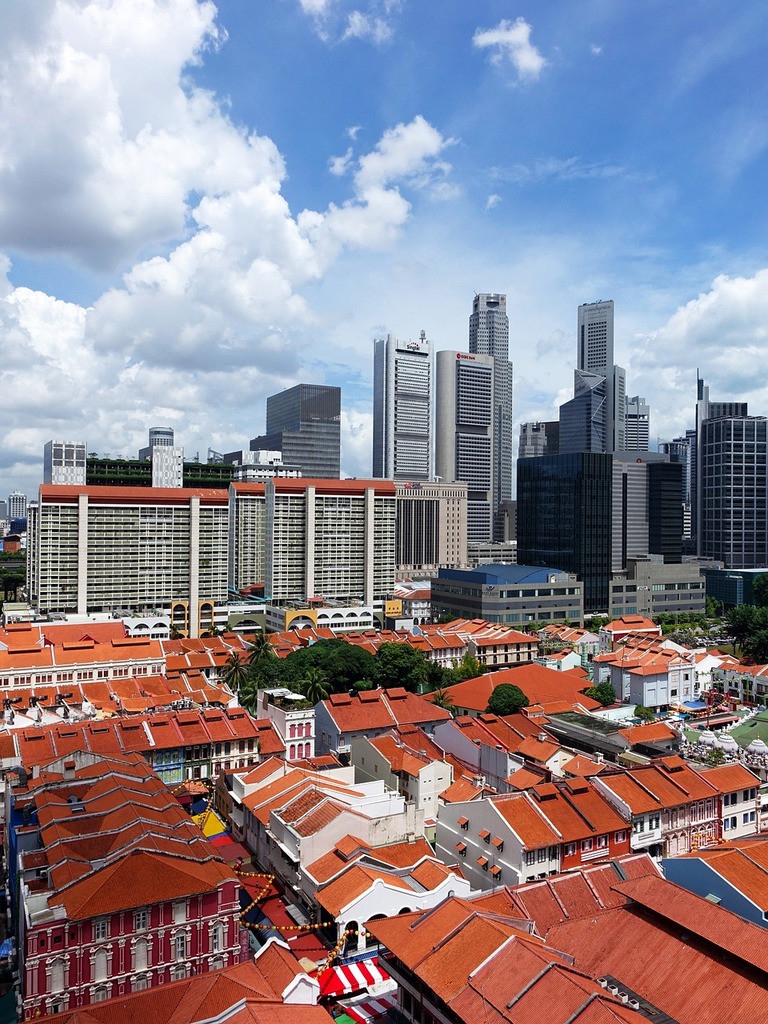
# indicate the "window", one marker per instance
pixel 530 858
pixel 140 955
pixel 541 855
pixel 180 946
pixel 179 912
pixel 100 995
pixel 100 965
pixel 140 920
pixel 570 849
pixel 748 817
pixel 139 985
pixel 217 938
pixel 553 853
pixel 586 845
pixel 100 929
pixel 620 836
pixel 602 842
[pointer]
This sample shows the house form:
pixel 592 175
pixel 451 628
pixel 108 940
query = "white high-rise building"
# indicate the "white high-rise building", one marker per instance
pixel 403 382
pixel 489 335
pixel 464 435
pixel 637 425
pixel 167 466
pixel 17 505
pixel 64 462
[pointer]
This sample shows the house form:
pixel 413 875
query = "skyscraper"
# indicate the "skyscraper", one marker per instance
pixel 594 419
pixel 159 437
pixel 304 423
pixel 64 462
pixel 489 335
pixel 464 433
pixel 403 382
pixel 542 438
pixel 637 425
pixel 733 510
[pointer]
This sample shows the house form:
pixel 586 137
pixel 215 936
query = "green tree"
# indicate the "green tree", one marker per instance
pixel 264 666
pixel 760 590
pixel 468 668
pixel 249 696
pixel 401 665
pixel 715 756
pixel 644 714
pixel 438 677
pixel 604 692
pixel 742 621
pixel 506 699
pixel 755 647
pixel 314 685
pixel 344 664
pixel 235 671
pixel 443 699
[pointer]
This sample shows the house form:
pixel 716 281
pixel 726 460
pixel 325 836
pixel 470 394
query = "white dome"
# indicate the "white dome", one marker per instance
pixel 758 746
pixel 707 737
pixel 727 743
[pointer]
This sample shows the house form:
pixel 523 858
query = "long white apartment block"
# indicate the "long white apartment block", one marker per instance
pixel 130 550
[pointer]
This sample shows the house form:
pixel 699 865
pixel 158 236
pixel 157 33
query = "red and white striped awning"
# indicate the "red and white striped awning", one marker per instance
pixel 342 981
pixel 371 1009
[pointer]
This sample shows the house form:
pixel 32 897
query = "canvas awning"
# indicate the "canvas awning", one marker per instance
pixel 371 1009
pixel 343 981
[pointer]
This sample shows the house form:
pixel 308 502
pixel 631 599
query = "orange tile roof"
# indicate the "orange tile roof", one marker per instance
pixel 727 778
pixel 209 996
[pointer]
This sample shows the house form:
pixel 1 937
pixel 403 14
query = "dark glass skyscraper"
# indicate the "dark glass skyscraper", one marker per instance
pixel 564 519
pixel 304 423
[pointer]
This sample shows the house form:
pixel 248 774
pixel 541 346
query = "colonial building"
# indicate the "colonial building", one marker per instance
pixel 114 888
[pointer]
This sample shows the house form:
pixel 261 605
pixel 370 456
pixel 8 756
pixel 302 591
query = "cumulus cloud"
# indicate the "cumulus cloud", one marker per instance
pixel 510 42
pixel 724 333
pixel 366 26
pixel 492 201
pixel 149 175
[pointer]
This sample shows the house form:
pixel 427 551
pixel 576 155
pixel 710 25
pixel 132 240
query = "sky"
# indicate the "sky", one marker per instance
pixel 204 203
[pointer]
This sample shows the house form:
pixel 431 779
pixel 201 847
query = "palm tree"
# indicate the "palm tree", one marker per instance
pixel 235 672
pixel 443 699
pixel 249 696
pixel 261 649
pixel 261 655
pixel 314 685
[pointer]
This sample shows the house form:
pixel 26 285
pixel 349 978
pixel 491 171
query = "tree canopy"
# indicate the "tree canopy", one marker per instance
pixel 603 692
pixel 401 665
pixel 506 699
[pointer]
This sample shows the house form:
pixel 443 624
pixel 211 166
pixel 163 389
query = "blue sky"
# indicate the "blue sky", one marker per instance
pixel 202 204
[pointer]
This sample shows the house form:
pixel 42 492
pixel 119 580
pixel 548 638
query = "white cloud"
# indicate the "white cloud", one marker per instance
pixel 366 26
pixel 511 41
pixel 723 332
pixel 210 315
pixel 339 165
pixel 492 201
pixel 128 147
pixel 595 50
pixel 571 168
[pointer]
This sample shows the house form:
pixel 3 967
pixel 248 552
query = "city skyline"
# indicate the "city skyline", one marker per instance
pixel 176 246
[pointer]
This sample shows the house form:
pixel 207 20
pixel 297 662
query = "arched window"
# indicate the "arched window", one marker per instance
pixel 57 975
pixel 100 965
pixel 140 955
